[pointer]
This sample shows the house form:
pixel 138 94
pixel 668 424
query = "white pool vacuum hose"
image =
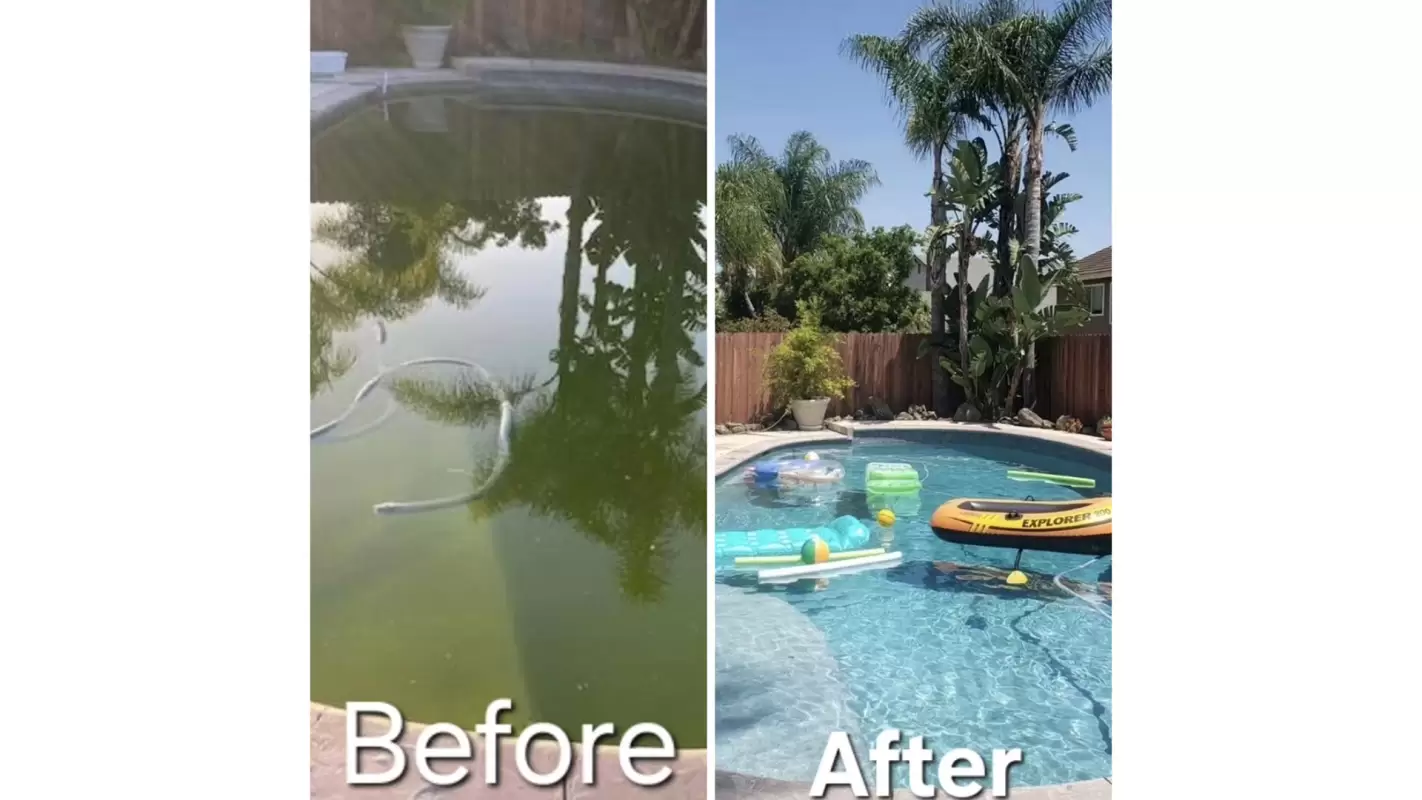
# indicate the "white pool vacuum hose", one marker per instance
pixel 506 414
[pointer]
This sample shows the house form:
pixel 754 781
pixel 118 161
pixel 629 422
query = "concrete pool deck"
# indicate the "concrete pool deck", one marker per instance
pixel 328 768
pixel 332 96
pixel 733 450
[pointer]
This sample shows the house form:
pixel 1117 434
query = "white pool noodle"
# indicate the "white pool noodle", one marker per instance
pixel 847 566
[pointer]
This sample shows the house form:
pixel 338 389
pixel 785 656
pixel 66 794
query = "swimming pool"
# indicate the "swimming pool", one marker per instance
pixel 561 247
pixel 920 647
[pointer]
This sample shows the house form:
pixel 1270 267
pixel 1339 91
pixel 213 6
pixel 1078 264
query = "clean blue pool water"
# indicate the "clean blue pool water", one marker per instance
pixel 961 663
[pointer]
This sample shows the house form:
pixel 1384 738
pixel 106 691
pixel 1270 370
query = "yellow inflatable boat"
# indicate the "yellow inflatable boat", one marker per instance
pixel 1072 526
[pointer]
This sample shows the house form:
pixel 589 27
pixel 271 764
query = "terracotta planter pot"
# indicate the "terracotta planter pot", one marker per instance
pixel 1106 433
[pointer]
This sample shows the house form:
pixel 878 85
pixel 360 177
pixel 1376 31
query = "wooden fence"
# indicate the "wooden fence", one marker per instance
pixel 882 365
pixel 1074 375
pixel 662 32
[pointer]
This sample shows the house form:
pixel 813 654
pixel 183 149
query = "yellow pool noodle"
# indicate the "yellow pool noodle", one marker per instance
pixel 751 561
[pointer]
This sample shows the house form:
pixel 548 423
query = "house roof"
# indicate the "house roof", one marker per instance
pixel 1095 266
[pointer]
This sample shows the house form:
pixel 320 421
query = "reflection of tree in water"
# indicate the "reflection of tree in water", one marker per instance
pixel 397 257
pixel 614 446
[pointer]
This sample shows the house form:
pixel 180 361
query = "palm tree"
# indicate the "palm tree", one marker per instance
pixel 1036 63
pixel 1069 66
pixel 619 456
pixel 1027 63
pixel 934 26
pixel 968 192
pixel 1065 66
pixel 810 196
pixel 1056 256
pixel 933 109
pixel 746 247
pixel 393 258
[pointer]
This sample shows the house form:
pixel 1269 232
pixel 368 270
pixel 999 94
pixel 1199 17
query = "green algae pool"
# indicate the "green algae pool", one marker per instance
pixel 563 250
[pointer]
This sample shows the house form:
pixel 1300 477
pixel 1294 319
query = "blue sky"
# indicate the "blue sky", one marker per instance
pixel 779 70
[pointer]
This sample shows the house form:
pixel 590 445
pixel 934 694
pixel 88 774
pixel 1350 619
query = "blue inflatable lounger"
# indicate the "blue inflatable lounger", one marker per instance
pixel 845 533
pixel 795 472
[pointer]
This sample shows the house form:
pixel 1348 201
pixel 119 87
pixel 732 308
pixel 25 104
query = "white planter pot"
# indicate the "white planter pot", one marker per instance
pixel 809 414
pixel 426 44
pixel 426 115
pixel 328 62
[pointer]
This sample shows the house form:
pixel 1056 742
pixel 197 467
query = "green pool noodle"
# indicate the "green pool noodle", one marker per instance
pixel 750 561
pixel 1062 480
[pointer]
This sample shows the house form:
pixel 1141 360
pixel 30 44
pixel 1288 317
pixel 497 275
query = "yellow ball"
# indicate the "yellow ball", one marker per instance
pixel 1017 578
pixel 812 456
pixel 886 518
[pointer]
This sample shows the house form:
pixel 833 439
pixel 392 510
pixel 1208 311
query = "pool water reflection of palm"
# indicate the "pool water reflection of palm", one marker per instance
pixel 577 584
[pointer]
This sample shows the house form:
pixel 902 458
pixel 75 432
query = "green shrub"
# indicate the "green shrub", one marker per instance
pixel 806 365
pixel 861 280
pixel 430 12
pixel 769 322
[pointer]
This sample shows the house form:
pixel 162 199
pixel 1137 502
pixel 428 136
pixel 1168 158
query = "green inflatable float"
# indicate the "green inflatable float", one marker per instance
pixel 894 486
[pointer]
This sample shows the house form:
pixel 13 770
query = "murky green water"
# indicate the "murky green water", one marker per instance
pixel 563 251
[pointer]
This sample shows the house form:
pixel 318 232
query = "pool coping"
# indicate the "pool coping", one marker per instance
pixel 328 765
pixel 737 449
pixel 333 97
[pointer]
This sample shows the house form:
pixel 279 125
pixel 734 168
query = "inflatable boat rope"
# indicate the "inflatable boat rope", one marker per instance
pixel 1094 605
pixel 506 414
